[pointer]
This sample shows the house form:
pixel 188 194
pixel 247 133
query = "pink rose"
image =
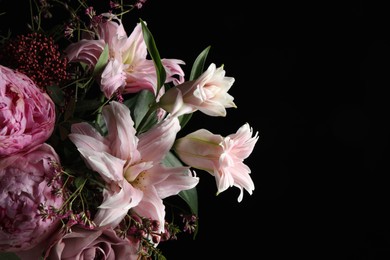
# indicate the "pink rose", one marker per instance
pixel 24 185
pixel 102 244
pixel 27 114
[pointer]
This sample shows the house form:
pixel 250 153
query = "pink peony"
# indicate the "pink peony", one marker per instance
pixel 24 185
pixel 102 244
pixel 27 114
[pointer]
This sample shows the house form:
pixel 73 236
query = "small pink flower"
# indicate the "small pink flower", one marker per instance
pixel 221 156
pixel 27 192
pixel 102 244
pixel 27 114
pixel 208 93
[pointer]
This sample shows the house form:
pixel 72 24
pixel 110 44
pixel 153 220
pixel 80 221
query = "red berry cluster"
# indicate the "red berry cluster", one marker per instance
pixel 38 57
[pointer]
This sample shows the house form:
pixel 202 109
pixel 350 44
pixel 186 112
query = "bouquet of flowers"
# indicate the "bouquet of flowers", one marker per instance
pixel 90 136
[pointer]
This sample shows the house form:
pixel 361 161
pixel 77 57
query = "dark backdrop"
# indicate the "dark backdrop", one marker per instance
pixel 312 79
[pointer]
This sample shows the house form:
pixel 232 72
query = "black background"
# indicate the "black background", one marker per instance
pixel 312 79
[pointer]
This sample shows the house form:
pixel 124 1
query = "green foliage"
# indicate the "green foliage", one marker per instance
pixel 88 105
pixel 184 119
pixel 8 256
pixel 198 66
pixel 196 71
pixel 152 49
pixel 101 63
pixel 56 94
pixel 143 110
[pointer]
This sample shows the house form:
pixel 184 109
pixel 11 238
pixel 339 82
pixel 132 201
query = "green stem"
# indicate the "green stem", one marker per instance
pixel 99 110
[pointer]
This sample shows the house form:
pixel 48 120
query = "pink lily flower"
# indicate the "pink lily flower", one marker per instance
pixel 221 156
pixel 128 70
pixel 208 93
pixel 132 165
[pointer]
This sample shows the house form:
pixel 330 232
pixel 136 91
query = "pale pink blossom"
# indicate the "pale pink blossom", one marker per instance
pixel 132 165
pixel 26 181
pixel 221 156
pixel 27 114
pixel 208 94
pixel 128 70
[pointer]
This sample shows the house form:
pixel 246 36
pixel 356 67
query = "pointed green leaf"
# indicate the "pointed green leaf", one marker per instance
pixel 8 256
pixel 198 66
pixel 70 107
pixel 184 119
pixel 139 105
pixel 149 121
pixel 79 181
pixel 152 49
pixel 191 198
pixel 56 94
pixel 102 61
pixel 171 160
pixel 87 105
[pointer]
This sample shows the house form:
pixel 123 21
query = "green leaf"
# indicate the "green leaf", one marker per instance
pixel 79 181
pixel 198 66
pixel 8 256
pixel 70 109
pixel 171 160
pixel 102 61
pixel 150 120
pixel 100 125
pixel 56 94
pixel 183 119
pixel 139 106
pixel 88 105
pixel 152 49
pixel 189 196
